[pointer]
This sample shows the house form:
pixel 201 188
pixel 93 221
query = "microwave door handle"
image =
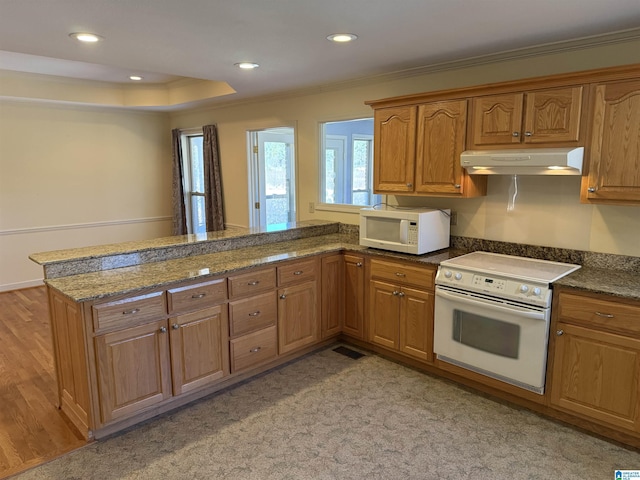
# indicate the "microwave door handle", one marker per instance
pixel 404 231
pixel 533 315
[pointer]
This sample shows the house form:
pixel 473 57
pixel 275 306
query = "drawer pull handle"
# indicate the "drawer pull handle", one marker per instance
pixel 199 295
pixel 605 315
pixel 175 326
pixel 163 329
pixel 359 264
pixel 298 272
pixel 255 350
pixel 255 314
pixel 253 283
pixel 283 296
pixel 400 274
pixel 131 312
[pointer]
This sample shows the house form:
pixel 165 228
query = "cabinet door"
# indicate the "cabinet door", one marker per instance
pixel 134 370
pixel 416 323
pixel 596 375
pixel 199 348
pixel 553 116
pixel 394 149
pixel 440 141
pixel 613 170
pixel 496 120
pixel 354 296
pixel 332 295
pixel 384 311
pixel 298 324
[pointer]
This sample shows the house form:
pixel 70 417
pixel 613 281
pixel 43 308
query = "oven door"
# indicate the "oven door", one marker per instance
pixel 497 338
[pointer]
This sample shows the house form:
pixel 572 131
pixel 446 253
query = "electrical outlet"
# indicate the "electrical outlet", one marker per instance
pixel 454 218
pixel 312 207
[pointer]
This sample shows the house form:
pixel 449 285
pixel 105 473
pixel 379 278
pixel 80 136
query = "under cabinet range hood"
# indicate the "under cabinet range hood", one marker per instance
pixel 532 161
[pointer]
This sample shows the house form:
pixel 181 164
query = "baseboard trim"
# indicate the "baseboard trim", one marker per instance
pixel 20 285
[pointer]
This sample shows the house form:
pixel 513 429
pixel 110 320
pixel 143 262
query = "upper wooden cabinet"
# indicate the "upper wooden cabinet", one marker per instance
pixel 394 149
pixel 417 150
pixel 613 163
pixel 551 117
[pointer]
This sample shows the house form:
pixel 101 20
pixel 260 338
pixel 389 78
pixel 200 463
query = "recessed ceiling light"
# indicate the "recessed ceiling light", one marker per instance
pixel 135 78
pixel 342 37
pixel 247 65
pixel 86 37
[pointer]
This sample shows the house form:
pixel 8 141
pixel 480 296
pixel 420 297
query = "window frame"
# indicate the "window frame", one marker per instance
pixel 187 176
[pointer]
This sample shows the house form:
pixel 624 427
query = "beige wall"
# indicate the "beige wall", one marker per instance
pixel 76 176
pixel 548 211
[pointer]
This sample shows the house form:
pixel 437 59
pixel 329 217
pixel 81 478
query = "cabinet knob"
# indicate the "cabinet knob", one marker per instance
pixel 516 134
pixel 283 296
pixel 528 134
pixel 298 272
pixel 395 292
pixel 255 350
pixel 457 185
pixel 253 283
pixel 401 294
pixel 255 314
pixel 560 333
pixel 591 189
pixel 175 326
pixel 359 264
pixel 410 185
pixel 163 329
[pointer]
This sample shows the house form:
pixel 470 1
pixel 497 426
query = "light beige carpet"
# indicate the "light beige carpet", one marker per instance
pixel 327 416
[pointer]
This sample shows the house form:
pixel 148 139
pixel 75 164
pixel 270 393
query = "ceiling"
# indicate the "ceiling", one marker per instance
pixel 167 40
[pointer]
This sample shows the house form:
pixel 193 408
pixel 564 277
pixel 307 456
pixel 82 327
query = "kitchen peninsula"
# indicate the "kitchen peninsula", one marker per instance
pixel 144 327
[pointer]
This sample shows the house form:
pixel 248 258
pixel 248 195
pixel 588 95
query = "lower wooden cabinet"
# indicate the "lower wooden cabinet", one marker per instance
pixel 298 324
pixel 253 349
pixel 596 360
pixel 354 296
pixel 333 295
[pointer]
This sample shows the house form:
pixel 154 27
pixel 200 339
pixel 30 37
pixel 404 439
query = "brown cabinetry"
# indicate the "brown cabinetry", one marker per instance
pixel 550 117
pixel 298 309
pixel 354 296
pixel 596 360
pixel 333 295
pixel 417 150
pixel 253 313
pixel 613 172
pixel 401 303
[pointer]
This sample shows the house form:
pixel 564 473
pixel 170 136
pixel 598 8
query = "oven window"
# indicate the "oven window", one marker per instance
pixel 486 334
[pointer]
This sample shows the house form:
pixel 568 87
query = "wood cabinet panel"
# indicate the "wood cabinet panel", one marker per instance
pixel 416 323
pixel 198 296
pixel 596 375
pixel 199 351
pixel 613 161
pixel 599 313
pixel 553 115
pixel 354 296
pixel 333 294
pixel 253 313
pixel 394 149
pixel 440 141
pixel 252 283
pixel 384 308
pixel 298 322
pixel 134 369
pixel 297 272
pixel 253 349
pixel 399 272
pixel 128 311
pixel 497 119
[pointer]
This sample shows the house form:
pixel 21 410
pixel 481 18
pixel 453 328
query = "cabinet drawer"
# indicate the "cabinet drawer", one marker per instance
pixel 252 313
pixel 400 273
pixel 200 295
pixel 297 272
pixel 129 311
pixel 253 349
pixel 252 282
pixel 599 313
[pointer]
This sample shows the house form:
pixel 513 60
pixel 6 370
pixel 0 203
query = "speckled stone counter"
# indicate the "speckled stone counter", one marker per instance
pixel 599 280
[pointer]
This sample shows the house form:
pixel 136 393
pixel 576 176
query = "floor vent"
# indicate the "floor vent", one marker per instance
pixel 348 352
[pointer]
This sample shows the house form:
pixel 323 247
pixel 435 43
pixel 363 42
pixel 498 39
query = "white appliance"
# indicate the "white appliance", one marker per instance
pixel 492 315
pixel 415 231
pixel 532 161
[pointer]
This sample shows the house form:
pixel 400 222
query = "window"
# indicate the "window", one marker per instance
pixel 193 168
pixel 346 168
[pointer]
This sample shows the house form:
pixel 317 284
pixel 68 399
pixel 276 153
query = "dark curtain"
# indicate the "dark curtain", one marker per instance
pixel 179 212
pixel 212 179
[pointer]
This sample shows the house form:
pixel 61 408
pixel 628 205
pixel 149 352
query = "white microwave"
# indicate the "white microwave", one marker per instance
pixel 415 231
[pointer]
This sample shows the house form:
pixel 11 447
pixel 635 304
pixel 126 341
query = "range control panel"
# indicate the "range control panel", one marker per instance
pixel 498 286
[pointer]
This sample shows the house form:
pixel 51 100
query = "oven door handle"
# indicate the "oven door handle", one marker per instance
pixel 462 298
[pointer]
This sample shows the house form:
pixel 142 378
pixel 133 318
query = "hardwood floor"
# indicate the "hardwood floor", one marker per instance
pixel 32 429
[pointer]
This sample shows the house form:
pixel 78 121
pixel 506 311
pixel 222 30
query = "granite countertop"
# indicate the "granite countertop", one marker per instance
pixel 117 281
pixel 619 283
